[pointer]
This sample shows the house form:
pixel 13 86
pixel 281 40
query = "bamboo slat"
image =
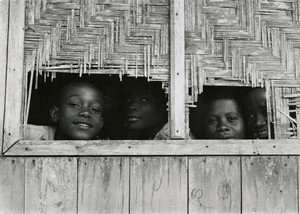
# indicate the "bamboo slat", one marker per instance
pixel 214 185
pixel 103 185
pixel 11 185
pixel 158 185
pixel 51 185
pixel 269 184
pixel 4 13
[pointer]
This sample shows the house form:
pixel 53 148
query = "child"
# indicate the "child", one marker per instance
pixel 77 114
pixel 220 117
pixel 256 113
pixel 146 112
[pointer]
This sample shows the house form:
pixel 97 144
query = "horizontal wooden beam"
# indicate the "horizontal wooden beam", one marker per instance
pixel 155 148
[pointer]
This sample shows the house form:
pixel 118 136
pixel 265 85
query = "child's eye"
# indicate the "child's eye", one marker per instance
pixel 74 105
pixel 96 109
pixel 144 100
pixel 232 118
pixel 211 121
pixel 250 116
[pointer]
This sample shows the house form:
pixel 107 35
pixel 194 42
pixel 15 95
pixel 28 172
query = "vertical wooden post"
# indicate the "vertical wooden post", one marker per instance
pixel 177 73
pixel 4 7
pixel 14 79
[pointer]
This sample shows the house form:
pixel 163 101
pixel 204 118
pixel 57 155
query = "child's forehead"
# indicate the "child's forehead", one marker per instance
pixel 80 88
pixel 223 105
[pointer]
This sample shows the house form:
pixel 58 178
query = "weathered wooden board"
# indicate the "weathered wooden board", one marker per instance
pixel 214 185
pixel 152 147
pixel 11 185
pixel 14 89
pixel 51 185
pixel 158 185
pixel 103 185
pixel 4 12
pixel 177 75
pixel 268 184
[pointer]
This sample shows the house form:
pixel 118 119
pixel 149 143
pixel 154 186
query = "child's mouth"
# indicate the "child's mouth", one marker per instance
pixel 83 125
pixel 133 119
pixel 261 134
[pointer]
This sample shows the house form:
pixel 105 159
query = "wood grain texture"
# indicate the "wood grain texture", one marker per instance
pixel 151 147
pixel 14 89
pixel 214 185
pixel 177 75
pixel 158 185
pixel 51 185
pixel 103 185
pixel 268 184
pixel 4 12
pixel 11 185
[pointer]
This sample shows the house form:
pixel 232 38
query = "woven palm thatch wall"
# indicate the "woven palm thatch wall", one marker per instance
pixel 98 36
pixel 252 43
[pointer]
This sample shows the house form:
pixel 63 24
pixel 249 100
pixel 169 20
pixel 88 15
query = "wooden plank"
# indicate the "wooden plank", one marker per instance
pixel 158 185
pixel 11 185
pixel 103 185
pixel 214 185
pixel 269 184
pixel 177 72
pixel 4 11
pixel 13 105
pixel 51 185
pixel 151 147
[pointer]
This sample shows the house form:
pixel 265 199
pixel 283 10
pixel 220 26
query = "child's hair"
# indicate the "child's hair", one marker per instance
pixel 210 95
pixel 153 88
pixel 64 82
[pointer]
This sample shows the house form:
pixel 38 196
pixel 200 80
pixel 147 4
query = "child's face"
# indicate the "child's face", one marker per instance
pixel 143 111
pixel 79 116
pixel 256 114
pixel 224 121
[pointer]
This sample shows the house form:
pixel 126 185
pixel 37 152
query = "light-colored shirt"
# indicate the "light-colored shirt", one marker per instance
pixel 35 132
pixel 164 133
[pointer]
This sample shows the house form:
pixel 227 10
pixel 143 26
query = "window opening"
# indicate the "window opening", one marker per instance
pixel 133 108
pixel 230 113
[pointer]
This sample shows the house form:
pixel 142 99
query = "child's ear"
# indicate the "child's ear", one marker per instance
pixel 54 114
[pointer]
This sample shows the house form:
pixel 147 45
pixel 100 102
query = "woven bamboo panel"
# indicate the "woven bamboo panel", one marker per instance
pixel 246 43
pixel 98 36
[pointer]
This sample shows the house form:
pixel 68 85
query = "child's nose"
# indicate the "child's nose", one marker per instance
pixel 223 128
pixel 223 125
pixel 85 112
pixel 260 120
pixel 133 106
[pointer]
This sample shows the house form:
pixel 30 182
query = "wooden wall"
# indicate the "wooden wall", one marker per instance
pixel 156 184
pixel 197 184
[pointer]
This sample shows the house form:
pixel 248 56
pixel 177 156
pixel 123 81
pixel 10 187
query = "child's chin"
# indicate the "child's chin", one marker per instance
pixel 83 137
pixel 225 137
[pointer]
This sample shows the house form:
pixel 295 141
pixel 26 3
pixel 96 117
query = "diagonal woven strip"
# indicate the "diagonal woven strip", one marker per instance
pixel 97 36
